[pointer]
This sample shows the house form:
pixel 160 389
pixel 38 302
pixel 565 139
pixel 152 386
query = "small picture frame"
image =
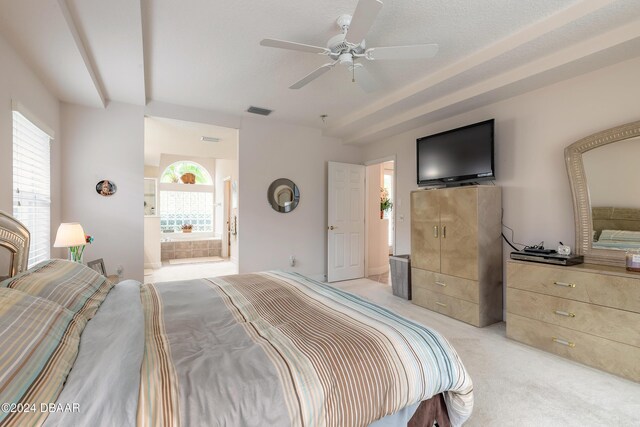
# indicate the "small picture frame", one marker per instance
pixel 97 265
pixel 106 188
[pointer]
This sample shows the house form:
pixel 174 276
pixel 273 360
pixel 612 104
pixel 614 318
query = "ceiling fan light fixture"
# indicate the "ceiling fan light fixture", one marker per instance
pixel 348 46
pixel 346 59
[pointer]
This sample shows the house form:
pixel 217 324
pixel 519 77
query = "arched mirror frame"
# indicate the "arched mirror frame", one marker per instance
pixel 580 191
pixel 273 202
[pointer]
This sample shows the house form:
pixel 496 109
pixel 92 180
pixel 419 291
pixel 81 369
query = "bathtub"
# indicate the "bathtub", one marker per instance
pixel 189 245
pixel 189 237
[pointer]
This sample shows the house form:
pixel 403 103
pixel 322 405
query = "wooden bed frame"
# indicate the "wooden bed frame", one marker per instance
pixel 15 238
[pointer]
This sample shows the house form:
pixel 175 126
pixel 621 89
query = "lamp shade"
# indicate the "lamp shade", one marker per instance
pixel 70 234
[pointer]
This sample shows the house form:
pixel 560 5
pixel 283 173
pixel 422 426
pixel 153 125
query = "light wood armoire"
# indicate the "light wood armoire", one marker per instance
pixel 456 252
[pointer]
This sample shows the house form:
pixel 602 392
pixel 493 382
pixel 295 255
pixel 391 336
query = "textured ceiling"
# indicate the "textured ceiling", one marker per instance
pixel 206 54
pixel 168 136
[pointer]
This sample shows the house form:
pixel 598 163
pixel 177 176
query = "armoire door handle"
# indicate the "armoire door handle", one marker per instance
pixel 435 231
pixel 444 231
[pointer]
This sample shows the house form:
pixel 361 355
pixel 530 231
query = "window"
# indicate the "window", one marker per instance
pixel 174 173
pixel 31 184
pixel 186 207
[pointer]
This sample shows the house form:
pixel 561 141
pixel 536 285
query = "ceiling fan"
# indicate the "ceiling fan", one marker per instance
pixel 349 47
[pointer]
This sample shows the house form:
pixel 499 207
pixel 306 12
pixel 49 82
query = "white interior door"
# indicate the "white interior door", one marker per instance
pixel 345 230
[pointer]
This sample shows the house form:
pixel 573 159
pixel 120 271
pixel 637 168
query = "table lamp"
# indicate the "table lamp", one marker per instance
pixel 71 235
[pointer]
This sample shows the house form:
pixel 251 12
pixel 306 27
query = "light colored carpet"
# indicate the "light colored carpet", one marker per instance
pixel 191 271
pixel 518 385
pixel 195 260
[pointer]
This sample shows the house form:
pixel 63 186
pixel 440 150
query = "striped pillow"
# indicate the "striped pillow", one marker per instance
pixel 70 284
pixel 39 341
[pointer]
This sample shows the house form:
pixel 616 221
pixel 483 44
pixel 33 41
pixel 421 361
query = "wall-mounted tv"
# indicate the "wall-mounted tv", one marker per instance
pixel 456 156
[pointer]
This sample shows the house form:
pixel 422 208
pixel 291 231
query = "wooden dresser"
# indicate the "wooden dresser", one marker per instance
pixel 587 313
pixel 456 252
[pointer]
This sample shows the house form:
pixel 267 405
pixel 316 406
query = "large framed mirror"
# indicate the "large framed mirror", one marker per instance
pixel 604 174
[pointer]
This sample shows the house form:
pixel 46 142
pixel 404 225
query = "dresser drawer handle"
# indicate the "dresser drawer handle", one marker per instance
pixel 564 313
pixel 564 342
pixel 441 304
pixel 566 285
pixel 441 284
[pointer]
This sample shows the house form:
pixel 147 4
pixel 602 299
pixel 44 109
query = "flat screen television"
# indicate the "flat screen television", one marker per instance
pixel 456 156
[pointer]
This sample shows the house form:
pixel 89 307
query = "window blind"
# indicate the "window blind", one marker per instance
pixel 31 184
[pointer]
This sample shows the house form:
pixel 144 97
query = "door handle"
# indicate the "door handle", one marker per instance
pixel 435 231
pixel 563 342
pixel 565 285
pixel 444 231
pixel 564 313
pixel 331 227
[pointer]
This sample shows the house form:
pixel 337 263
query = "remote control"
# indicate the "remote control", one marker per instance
pixel 540 251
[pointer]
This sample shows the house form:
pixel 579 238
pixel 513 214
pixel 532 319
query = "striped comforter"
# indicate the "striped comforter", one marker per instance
pixel 279 349
pixel 39 342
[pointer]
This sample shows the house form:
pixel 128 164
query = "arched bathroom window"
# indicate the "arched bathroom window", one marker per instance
pixel 186 172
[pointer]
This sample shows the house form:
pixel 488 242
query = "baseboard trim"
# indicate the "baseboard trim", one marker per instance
pixel 319 277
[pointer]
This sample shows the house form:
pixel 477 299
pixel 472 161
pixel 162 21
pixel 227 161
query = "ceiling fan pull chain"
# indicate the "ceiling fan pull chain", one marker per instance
pixel 353 73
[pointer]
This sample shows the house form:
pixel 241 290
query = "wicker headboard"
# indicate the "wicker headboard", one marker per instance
pixel 15 238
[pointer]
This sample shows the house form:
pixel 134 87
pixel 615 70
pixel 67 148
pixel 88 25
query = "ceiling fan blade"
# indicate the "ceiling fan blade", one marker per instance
pixel 283 44
pixel 362 20
pixel 313 75
pixel 415 51
pixel 363 78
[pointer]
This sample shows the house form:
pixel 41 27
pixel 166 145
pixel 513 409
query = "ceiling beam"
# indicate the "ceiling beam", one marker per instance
pixel 555 60
pixel 349 123
pixel 82 49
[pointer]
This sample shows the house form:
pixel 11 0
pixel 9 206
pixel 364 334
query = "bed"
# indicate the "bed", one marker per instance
pixel 263 349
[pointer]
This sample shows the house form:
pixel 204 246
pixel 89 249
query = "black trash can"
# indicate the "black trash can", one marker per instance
pixel 401 275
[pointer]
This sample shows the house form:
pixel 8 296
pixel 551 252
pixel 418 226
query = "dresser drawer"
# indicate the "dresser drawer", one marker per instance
pixel 448 285
pixel 617 325
pixel 566 282
pixel 611 356
pixel 453 307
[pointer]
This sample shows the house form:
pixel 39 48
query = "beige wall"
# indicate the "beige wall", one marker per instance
pixel 19 84
pixel 152 249
pixel 269 150
pixel 152 172
pixel 106 144
pixel 225 168
pixel 377 238
pixel 532 131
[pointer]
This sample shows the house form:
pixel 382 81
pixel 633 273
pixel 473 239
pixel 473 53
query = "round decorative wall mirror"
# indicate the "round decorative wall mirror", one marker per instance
pixel 283 195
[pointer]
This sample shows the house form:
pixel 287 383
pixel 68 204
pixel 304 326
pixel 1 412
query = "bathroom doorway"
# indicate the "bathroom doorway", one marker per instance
pixel 195 168
pixel 379 217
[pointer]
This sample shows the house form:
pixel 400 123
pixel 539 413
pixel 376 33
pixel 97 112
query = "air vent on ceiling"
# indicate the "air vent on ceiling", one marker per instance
pixel 260 111
pixel 209 139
